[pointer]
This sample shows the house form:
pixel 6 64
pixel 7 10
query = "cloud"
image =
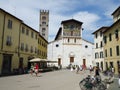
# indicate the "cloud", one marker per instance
pixel 89 19
pixel 91 12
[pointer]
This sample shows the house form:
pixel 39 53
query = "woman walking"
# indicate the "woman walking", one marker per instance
pixel 36 69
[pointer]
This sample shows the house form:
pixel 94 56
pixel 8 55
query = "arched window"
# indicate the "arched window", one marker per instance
pixel 43 17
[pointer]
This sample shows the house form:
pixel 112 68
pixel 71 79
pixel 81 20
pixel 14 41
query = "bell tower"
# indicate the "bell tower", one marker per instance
pixel 44 23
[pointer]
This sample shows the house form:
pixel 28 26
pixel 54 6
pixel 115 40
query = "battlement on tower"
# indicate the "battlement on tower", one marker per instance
pixel 44 11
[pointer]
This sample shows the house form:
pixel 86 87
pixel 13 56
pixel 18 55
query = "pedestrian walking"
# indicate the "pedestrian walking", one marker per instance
pixel 90 69
pixel 36 69
pixel 113 70
pixel 31 69
pixel 77 69
pixel 97 74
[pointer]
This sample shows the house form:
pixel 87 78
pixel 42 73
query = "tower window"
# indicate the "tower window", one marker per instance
pixel 44 18
pixel 44 23
pixel 43 34
pixel 43 29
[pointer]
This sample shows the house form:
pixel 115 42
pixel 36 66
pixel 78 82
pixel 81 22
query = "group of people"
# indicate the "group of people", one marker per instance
pixel 34 69
pixel 77 68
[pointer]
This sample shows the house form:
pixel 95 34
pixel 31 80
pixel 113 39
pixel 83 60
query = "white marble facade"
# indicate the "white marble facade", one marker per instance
pixel 71 50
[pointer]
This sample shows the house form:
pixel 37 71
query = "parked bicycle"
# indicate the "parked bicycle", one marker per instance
pixel 92 83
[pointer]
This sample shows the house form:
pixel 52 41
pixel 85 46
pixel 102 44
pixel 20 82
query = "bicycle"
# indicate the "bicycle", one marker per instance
pixel 90 83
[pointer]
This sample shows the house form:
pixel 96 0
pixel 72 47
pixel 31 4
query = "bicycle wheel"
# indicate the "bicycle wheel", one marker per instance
pixel 102 86
pixel 82 84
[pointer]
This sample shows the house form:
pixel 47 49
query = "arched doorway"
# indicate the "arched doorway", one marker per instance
pixel 84 63
pixel 71 59
pixel 71 55
pixel 59 61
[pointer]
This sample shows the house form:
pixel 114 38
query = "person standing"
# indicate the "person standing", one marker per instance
pixel 36 69
pixel 90 68
pixel 77 69
pixel 97 74
pixel 31 69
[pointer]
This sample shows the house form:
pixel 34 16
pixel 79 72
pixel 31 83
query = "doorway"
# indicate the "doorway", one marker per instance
pixel 6 66
pixel 71 60
pixel 59 61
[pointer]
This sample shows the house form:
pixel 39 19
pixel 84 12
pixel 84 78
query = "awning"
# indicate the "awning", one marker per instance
pixel 37 60
pixel 42 60
pixel 48 61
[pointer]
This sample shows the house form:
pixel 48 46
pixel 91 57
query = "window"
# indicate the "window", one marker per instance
pixel 101 54
pixel 86 46
pixel 43 29
pixel 23 30
pixel 96 45
pixel 36 36
pixel 75 40
pixel 117 51
pixel 10 24
pixel 26 48
pixel 71 33
pixel 32 34
pixel 27 32
pixel 44 23
pixel 105 53
pixel 96 35
pixel 101 44
pixel 57 45
pixel 110 51
pixel 22 46
pixel 8 41
pixel 71 27
pixel 31 49
pixel 96 55
pixel 43 34
pixel 116 34
pixel 35 50
pixel 43 17
pixel 105 39
pixel 101 33
pixel 110 37
pixel 68 40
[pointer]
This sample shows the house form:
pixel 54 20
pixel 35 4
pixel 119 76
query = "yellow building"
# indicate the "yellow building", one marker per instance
pixel 112 43
pixel 18 44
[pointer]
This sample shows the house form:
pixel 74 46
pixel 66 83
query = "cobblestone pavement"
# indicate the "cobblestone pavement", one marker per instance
pixel 56 80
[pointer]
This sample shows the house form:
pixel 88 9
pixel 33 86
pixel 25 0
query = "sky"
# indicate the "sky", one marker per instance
pixel 93 13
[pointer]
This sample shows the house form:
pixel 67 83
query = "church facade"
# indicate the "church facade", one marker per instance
pixel 69 47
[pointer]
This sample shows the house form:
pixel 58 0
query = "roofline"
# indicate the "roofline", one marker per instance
pixel 88 41
pixel 71 20
pixel 42 37
pixel 100 29
pixel 112 25
pixel 22 22
pixel 58 33
pixel 10 14
pixel 115 10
